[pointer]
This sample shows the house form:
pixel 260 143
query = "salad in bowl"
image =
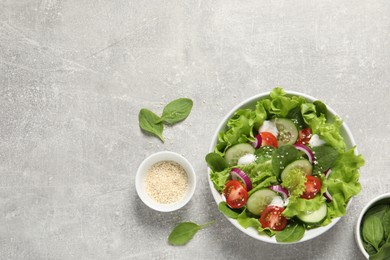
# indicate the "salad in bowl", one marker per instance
pixel 283 167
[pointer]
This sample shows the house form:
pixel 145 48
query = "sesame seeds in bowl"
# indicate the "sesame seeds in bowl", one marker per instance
pixel 165 181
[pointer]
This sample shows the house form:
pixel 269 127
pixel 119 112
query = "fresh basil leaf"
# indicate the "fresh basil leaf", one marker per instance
pixel 386 225
pixel 373 231
pixel 378 210
pixel 264 153
pixel 325 156
pixel 175 111
pixel 224 208
pixel 291 233
pixel 383 253
pixel 184 232
pixel 283 156
pixel 147 123
pixel 216 162
pixel 296 116
pixel 370 249
pixel 320 108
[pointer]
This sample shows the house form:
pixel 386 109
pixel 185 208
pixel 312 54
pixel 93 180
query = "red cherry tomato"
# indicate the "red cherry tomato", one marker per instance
pixel 236 195
pixel 304 136
pixel 313 186
pixel 272 218
pixel 268 139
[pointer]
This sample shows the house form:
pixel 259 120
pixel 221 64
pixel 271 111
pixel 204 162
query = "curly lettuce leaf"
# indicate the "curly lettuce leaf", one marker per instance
pixel 343 181
pixel 220 178
pixel 239 130
pixel 280 104
pixel 328 131
pixel 294 181
pixel 297 205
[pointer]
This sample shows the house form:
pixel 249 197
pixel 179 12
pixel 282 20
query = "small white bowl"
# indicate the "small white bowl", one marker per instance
pixel 149 162
pixel 384 198
pixel 250 103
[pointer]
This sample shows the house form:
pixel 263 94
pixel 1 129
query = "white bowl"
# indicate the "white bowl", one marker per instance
pixel 250 103
pixel 149 162
pixel 384 198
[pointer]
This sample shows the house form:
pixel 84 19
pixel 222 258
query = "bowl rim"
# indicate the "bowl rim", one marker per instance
pixel 368 205
pixel 309 234
pixel 158 157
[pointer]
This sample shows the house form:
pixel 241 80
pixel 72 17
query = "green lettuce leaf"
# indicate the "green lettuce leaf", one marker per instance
pixel 239 130
pixel 294 181
pixel 245 221
pixel 298 205
pixel 343 182
pixel 220 178
pixel 328 131
pixel 280 104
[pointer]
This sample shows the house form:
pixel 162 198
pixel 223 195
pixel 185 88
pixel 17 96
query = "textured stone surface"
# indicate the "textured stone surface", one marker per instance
pixel 74 74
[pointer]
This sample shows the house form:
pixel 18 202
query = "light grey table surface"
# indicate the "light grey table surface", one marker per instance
pixel 74 75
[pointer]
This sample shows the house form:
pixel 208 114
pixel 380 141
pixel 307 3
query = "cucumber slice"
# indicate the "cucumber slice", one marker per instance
pixel 302 164
pixel 288 132
pixel 259 200
pixel 314 217
pixel 236 151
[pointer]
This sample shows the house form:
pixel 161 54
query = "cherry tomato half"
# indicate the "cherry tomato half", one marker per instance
pixel 236 195
pixel 272 218
pixel 313 186
pixel 268 139
pixel 304 136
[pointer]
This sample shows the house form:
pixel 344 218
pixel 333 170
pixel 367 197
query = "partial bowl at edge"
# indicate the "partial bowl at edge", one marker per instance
pixel 384 198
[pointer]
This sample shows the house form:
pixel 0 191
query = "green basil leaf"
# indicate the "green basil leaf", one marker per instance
pixel 296 116
pixel 291 233
pixel 283 156
pixel 176 111
pixel 264 153
pixel 369 248
pixel 216 162
pixel 378 210
pixel 383 253
pixel 373 231
pixel 320 108
pixel 224 208
pixel 325 156
pixel 147 123
pixel 386 225
pixel 184 232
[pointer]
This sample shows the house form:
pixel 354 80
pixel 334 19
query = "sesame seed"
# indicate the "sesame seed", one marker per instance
pixel 166 182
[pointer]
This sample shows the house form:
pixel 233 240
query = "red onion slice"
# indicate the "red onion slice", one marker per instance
pixel 258 140
pixel 239 174
pixel 279 189
pixel 328 197
pixel 306 150
pixel 327 172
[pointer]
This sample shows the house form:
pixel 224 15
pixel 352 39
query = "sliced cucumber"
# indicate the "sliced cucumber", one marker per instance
pixel 314 217
pixel 288 132
pixel 302 164
pixel 236 151
pixel 259 200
